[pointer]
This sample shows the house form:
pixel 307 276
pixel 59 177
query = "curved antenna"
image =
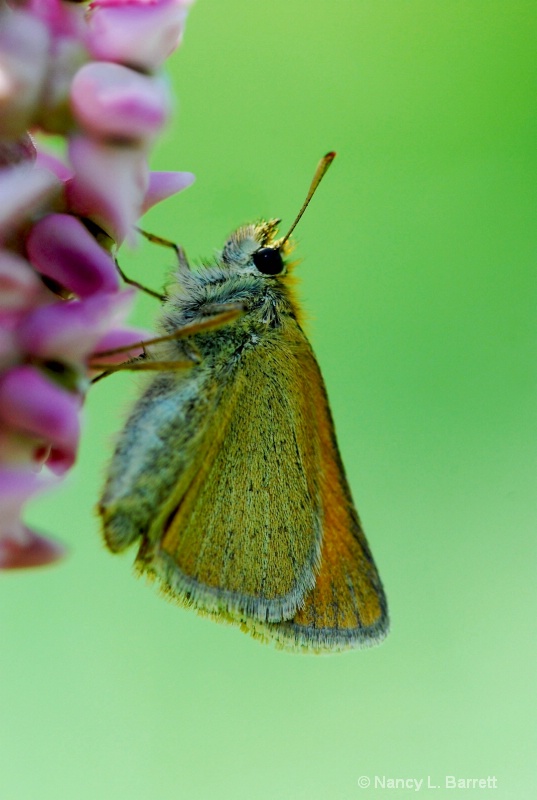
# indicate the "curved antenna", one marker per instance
pixel 320 172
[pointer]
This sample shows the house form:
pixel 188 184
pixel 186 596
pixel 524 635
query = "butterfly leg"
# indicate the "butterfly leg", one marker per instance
pixel 182 260
pixel 138 285
pixel 227 313
pixel 140 366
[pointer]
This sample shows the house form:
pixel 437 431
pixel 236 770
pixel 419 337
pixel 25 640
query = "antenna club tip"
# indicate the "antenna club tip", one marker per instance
pixel 320 172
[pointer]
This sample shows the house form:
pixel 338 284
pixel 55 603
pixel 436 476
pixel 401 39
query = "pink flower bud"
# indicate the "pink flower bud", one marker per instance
pixel 31 403
pixel 70 331
pixel 53 164
pixel 109 184
pixel 23 189
pixel 139 33
pixel 24 44
pixel 112 101
pixel 19 546
pixel 165 184
pixel 20 287
pixel 60 247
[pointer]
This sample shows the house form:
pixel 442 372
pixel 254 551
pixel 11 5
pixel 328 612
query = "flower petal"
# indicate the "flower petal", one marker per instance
pixel 60 247
pixel 53 164
pixel 36 406
pixel 109 184
pixel 21 547
pixel 139 33
pixel 69 331
pixel 163 185
pixel 19 285
pixel 23 189
pixel 24 43
pixel 111 100
pixel 62 19
pixel 16 488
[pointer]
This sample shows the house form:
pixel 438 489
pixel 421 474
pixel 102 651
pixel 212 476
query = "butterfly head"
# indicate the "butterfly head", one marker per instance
pixel 255 250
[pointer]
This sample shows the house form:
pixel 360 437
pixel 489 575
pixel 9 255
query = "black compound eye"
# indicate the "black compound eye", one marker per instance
pixel 268 260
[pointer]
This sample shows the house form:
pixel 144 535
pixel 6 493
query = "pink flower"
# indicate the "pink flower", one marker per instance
pixel 24 190
pixel 61 247
pixel 19 546
pixel 20 287
pixel 99 165
pixel 163 185
pixel 89 74
pixel 111 101
pixel 70 331
pixel 34 406
pixel 140 33
pixel 24 46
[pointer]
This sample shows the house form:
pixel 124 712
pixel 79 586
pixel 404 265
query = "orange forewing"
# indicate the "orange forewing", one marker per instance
pixel 347 607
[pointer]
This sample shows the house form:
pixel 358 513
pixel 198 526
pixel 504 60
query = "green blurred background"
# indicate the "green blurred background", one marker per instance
pixel 418 280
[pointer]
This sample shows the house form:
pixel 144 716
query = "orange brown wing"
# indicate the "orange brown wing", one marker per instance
pixel 347 607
